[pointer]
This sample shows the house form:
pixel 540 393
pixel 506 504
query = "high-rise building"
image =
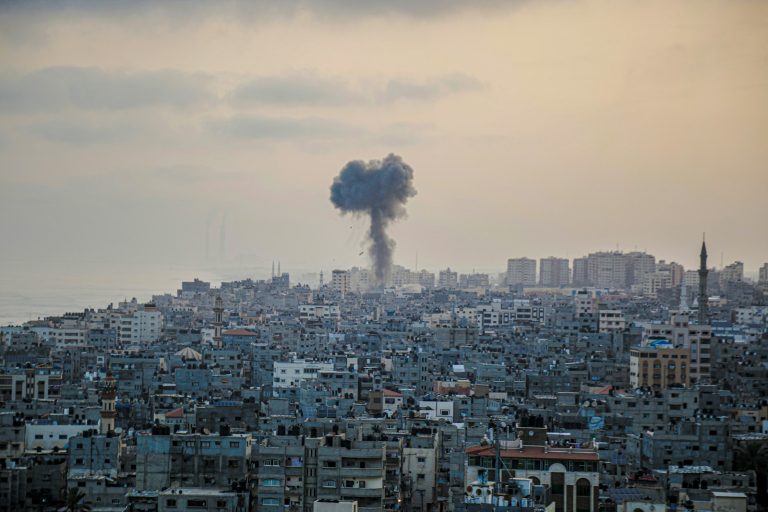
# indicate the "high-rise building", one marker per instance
pixel 580 272
pixel 703 295
pixel 521 272
pixel 448 279
pixel 733 273
pixel 763 274
pixel 607 270
pixel 474 281
pixel 359 279
pixel 554 272
pixel 340 281
pixel 639 265
pixel 675 271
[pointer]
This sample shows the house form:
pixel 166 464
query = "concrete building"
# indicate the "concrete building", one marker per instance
pixel 733 273
pixel 682 334
pixel 639 265
pixel 326 505
pixel 580 272
pixel 143 326
pixel 198 460
pixel 340 282
pixel 571 475
pixel 203 499
pixel 359 279
pixel 288 376
pixel 521 272
pixel 607 270
pixel 762 277
pixel 448 279
pixel 659 366
pixel 611 320
pixel 39 383
pixel 554 272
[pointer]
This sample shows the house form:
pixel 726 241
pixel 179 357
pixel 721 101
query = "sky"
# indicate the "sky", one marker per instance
pixel 133 133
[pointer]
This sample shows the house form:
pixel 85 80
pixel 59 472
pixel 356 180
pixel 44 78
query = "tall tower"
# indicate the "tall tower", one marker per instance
pixel 703 297
pixel 108 412
pixel 218 323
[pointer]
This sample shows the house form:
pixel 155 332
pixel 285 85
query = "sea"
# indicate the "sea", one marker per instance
pixel 29 292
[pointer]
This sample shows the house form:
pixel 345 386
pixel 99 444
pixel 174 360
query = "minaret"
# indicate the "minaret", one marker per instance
pixel 321 279
pixel 218 315
pixel 108 412
pixel 703 297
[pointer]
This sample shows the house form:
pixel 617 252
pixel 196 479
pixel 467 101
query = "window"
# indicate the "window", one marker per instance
pixel 197 504
pixel 221 504
pixel 583 488
pixel 234 444
pixel 329 484
pixel 170 503
pixel 270 501
pixel 271 482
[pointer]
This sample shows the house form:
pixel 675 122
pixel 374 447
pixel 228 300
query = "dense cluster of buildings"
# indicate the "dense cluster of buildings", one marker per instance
pixel 614 382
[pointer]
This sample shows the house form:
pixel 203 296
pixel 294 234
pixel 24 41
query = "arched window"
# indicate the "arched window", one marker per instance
pixel 583 487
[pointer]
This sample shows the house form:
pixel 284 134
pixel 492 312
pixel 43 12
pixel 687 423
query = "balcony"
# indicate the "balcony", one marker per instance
pixel 354 472
pixel 267 471
pixel 356 492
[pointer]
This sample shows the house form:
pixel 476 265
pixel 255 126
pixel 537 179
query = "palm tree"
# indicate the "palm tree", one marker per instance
pixel 753 456
pixel 74 501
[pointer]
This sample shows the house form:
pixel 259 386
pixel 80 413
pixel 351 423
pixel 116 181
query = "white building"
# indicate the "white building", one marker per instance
pixel 292 374
pixel 48 436
pixel 436 409
pixel 315 312
pixel 610 320
pixel 145 325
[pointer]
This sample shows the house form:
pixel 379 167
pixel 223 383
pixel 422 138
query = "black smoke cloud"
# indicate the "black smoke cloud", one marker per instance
pixel 380 189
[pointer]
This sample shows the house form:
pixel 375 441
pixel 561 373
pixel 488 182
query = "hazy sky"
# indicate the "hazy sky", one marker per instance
pixel 535 128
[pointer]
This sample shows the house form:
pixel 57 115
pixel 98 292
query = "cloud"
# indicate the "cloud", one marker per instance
pixel 431 89
pixel 309 89
pixel 259 127
pixel 85 132
pixel 60 88
pixel 297 89
pixel 258 9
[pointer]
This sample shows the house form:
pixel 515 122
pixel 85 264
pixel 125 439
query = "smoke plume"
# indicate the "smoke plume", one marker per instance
pixel 379 188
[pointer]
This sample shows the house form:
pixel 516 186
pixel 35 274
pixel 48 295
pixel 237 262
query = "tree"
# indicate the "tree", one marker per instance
pixel 75 501
pixel 753 456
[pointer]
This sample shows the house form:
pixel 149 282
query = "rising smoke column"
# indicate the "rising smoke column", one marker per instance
pixel 379 188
